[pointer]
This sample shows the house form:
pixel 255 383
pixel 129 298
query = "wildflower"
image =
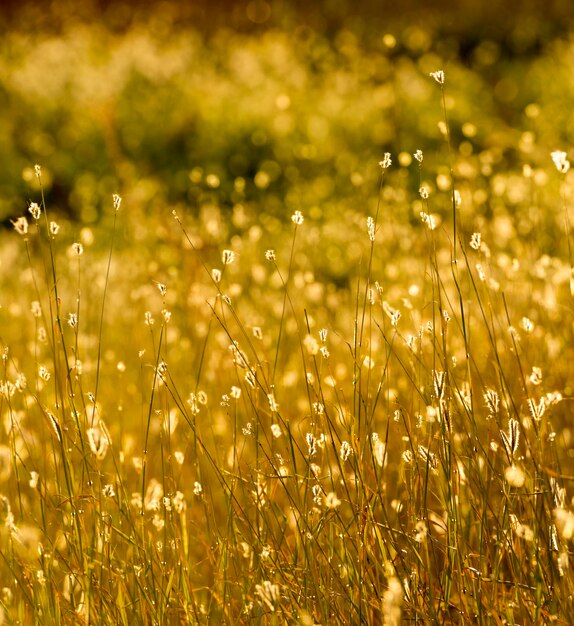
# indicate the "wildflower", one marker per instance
pixel 149 321
pixel 561 161
pixel 311 345
pixel 34 478
pixel 392 601
pixel 492 401
pixel 386 162
pixel 36 309
pixel 527 325
pixel 368 362
pixel 331 500
pixel 216 275
pixel 558 493
pixel 419 156
pixel 227 257
pixel 109 491
pixel 420 531
pixel 117 201
pixel 259 494
pixel 511 440
pixel 536 375
pixel 475 241
pixel 235 393
pixel 276 430
pixel 34 210
pixel 273 406
pixel 54 229
pixel 193 403
pixel 43 373
pixel 38 171
pixel 55 426
pixel 197 488
pixel 428 219
pixel 98 442
pixel 153 495
pixel 564 523
pixel 345 451
pixel 438 76
pixel 297 218
pixel 523 531
pixel 439 379
pixel 270 255
pixel 514 476
pixel 268 593
pixel 21 226
pixel 179 457
pixel 311 443
pixel 77 249
pixel 162 289
pixel 178 502
pixel 72 320
pixel 424 193
pixel 379 451
pixel 371 228
pixel 136 500
pixel 394 314
pixel 250 379
pixel 537 409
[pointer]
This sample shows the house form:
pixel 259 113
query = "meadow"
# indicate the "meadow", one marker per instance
pixel 284 327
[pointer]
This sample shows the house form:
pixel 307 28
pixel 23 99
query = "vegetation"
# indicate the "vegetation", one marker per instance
pixel 285 329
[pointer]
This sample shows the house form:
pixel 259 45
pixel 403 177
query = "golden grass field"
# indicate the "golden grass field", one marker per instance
pixel 286 325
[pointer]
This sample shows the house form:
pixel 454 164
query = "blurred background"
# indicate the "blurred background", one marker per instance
pixel 274 104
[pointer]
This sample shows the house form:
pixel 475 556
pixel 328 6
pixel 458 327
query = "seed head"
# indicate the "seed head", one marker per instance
pixel 345 451
pixel 21 226
pixel 438 76
pixel 476 241
pixel 371 228
pixel 514 476
pixel 386 162
pixel 34 210
pixel 560 161
pixel 297 218
pixel 228 257
pixel 331 500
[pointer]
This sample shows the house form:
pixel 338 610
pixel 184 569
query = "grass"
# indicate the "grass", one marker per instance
pixel 269 413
